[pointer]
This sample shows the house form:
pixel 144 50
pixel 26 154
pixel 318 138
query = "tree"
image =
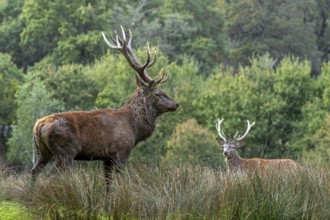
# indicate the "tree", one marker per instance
pixel 115 80
pixel 34 101
pixel 10 79
pixel 277 27
pixel 193 28
pixel 312 132
pixel 10 28
pixel 321 140
pixel 70 32
pixel 72 83
pixel 322 29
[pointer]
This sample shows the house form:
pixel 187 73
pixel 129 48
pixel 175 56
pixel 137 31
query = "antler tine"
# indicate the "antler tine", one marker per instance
pixel 119 41
pixel 148 63
pixel 164 76
pixel 109 43
pixel 221 134
pixel 113 38
pixel 148 58
pixel 145 76
pixel 154 58
pixel 130 38
pixel 246 132
pixel 130 50
pixel 164 79
pixel 236 134
pixel 123 33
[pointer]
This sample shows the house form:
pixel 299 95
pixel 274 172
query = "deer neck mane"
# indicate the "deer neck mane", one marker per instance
pixel 143 116
pixel 235 162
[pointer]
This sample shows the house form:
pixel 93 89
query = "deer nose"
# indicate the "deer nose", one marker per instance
pixel 225 153
pixel 177 105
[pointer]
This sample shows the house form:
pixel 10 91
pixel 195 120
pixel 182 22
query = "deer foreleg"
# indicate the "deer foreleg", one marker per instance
pixel 108 167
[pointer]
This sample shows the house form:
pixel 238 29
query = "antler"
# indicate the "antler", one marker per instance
pixel 221 134
pixel 246 132
pixel 125 48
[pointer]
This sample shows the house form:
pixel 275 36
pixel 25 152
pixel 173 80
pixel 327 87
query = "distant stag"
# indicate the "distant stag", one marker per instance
pixel 107 134
pixel 235 162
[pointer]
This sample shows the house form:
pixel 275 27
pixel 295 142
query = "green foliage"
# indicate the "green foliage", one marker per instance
pixel 277 27
pixel 115 80
pixel 184 32
pixel 321 140
pixel 312 131
pixel 34 101
pixel 71 83
pixel 70 32
pixel 10 28
pixel 11 78
pixel 321 16
pixel 33 29
pixel 192 144
pixel 324 79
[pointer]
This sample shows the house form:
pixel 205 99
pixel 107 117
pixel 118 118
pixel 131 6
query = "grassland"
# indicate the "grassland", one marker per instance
pixel 166 192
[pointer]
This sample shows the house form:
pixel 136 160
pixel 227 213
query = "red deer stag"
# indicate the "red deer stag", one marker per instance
pixel 107 134
pixel 235 162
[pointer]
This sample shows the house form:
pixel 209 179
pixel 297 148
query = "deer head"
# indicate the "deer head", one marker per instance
pixel 229 147
pixel 147 86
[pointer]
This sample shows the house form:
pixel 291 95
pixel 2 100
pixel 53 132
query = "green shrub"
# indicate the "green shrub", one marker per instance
pixel 191 143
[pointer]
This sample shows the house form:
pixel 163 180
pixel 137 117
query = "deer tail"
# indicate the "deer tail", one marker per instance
pixel 39 143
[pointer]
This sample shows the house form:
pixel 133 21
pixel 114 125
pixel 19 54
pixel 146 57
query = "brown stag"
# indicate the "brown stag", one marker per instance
pixel 107 134
pixel 235 162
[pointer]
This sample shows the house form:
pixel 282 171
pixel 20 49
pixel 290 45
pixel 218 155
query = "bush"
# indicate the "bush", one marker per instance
pixel 193 144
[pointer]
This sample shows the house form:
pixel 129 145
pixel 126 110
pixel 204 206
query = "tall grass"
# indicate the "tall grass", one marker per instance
pixel 174 192
pixel 10 191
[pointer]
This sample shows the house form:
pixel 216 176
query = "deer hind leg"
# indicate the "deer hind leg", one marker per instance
pixel 64 155
pixel 44 156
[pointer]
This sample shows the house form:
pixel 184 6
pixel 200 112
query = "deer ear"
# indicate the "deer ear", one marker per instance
pixel 240 143
pixel 220 141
